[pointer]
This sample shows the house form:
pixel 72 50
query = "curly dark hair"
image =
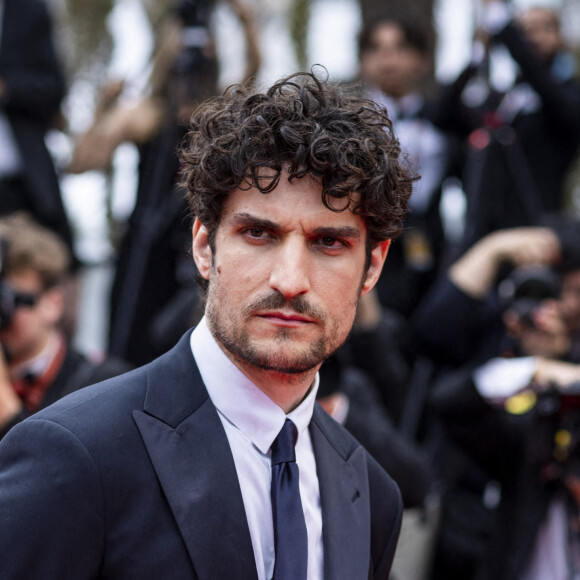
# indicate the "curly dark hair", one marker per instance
pixel 301 125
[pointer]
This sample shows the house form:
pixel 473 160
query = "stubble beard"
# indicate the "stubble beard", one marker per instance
pixel 235 338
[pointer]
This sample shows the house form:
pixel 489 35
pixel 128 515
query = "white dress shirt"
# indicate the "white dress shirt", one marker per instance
pixel 426 146
pixel 501 378
pixel 252 421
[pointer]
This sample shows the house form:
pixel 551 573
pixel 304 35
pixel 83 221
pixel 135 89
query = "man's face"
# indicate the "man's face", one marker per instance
pixel 28 331
pixel 391 63
pixel 285 277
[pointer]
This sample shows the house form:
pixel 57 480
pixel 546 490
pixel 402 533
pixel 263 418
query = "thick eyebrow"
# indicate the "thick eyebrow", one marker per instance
pixel 244 219
pixel 344 232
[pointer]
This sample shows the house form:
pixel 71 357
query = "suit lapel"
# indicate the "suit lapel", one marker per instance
pixel 344 498
pixel 190 453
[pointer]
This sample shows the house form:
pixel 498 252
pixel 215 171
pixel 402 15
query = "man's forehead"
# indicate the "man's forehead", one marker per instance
pixel 289 202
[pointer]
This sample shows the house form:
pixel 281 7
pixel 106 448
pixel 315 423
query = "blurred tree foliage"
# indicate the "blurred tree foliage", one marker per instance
pixel 83 35
pixel 299 19
pixel 156 10
pixel 85 40
pixel 86 43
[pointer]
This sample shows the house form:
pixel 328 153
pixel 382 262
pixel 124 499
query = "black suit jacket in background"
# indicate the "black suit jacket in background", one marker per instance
pixel 35 87
pixel 518 175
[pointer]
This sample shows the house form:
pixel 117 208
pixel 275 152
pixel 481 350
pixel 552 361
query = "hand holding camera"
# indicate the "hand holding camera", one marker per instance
pixel 476 271
pixel 10 404
pixel 556 373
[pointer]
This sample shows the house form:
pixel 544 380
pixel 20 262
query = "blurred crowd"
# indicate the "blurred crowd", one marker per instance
pixel 462 374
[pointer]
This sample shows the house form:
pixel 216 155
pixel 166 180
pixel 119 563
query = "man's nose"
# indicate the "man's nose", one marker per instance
pixel 290 269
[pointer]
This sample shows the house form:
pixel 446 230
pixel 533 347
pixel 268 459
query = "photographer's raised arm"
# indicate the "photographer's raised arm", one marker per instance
pixel 476 271
pixel 534 40
pixel 459 316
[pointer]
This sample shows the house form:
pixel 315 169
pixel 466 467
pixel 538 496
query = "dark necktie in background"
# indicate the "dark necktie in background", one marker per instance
pixel 290 536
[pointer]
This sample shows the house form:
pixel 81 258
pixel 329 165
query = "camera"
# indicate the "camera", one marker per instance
pixel 526 288
pixel 10 299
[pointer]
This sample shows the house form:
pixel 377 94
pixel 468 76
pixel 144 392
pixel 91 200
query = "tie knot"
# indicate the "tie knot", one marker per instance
pixel 283 446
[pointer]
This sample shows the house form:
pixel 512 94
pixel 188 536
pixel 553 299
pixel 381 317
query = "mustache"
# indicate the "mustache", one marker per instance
pixel 298 304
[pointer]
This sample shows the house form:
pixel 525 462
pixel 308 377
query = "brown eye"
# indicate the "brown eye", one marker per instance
pixel 329 242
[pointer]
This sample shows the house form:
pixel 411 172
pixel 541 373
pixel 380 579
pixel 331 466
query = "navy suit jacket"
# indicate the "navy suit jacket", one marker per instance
pixel 134 478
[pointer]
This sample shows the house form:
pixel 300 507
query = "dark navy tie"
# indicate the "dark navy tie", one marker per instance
pixel 290 537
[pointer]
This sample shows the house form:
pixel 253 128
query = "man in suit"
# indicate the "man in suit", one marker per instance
pixel 167 472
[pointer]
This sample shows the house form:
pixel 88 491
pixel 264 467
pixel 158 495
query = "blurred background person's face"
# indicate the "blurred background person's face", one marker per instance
pixel 542 30
pixel 30 327
pixel 390 63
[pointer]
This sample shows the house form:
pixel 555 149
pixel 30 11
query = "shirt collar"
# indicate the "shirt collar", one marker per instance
pixel 238 399
pixel 40 362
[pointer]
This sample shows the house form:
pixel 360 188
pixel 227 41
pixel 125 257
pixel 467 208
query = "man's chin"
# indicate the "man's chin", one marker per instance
pixel 279 360
pixel 286 367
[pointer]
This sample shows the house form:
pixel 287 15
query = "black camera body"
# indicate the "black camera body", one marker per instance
pixel 526 288
pixel 10 299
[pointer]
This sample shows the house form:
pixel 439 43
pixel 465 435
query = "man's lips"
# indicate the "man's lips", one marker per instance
pixel 286 318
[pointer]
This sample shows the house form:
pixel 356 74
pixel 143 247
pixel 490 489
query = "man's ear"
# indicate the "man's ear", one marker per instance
pixel 201 249
pixel 378 256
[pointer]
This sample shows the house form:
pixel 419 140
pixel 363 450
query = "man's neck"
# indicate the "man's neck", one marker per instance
pixel 285 389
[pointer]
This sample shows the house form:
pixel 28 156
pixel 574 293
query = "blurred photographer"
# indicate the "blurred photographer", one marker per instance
pixel 37 363
pixel 395 57
pixel 464 317
pixel 510 360
pixel 519 138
